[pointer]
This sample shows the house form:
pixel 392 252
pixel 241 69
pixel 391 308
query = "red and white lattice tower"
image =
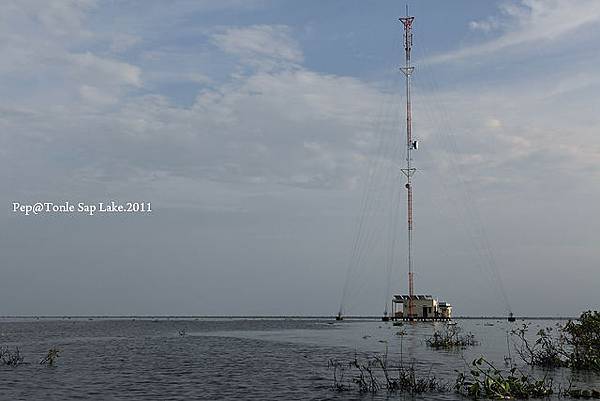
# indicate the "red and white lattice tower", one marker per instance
pixel 411 145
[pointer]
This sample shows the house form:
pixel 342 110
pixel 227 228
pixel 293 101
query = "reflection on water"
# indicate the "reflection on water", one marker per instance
pixel 252 359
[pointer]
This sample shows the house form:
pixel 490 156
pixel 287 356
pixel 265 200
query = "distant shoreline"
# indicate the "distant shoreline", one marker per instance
pixel 274 317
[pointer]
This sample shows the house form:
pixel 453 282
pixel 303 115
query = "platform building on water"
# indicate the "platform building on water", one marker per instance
pixel 425 307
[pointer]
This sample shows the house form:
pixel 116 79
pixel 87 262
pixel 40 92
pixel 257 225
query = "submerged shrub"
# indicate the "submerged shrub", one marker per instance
pixel 575 345
pixel 486 381
pixel 583 336
pixel 451 337
pixel 11 358
pixel 373 374
pixel 50 357
pixel 548 350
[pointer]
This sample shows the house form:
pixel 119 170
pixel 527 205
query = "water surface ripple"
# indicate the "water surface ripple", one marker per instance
pixel 226 359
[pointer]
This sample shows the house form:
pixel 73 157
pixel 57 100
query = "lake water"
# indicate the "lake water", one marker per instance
pixel 228 359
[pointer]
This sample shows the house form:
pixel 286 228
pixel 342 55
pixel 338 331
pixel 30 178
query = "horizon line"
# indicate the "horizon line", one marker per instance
pixel 320 317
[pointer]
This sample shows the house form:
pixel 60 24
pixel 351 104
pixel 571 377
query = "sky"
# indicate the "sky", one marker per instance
pixel 264 131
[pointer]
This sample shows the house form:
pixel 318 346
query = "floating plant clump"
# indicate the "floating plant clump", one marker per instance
pixel 451 337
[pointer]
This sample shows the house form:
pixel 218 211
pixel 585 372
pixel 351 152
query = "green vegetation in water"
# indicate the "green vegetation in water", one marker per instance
pixel 583 336
pixel 486 381
pixel 14 358
pixel 373 374
pixel 50 357
pixel 451 337
pixel 11 358
pixel 575 345
pixel 549 350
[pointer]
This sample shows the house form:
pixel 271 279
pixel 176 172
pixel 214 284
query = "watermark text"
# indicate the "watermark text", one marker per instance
pixel 87 208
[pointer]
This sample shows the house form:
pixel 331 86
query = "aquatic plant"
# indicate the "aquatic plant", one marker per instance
pixel 581 393
pixel 451 337
pixel 339 369
pixel 373 373
pixel 575 345
pixel 11 358
pixel 484 380
pixel 583 336
pixel 408 381
pixel 548 350
pixel 50 357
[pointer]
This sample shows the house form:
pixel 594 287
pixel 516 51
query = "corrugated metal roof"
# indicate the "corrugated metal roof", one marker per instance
pixel 415 297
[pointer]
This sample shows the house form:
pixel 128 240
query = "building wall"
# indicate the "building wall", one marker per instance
pixel 433 309
pixel 446 312
pixel 418 304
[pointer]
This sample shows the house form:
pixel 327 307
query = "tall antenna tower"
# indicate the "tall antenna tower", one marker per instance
pixel 411 145
pixel 412 307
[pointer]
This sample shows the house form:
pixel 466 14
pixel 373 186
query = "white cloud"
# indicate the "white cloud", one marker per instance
pixel 63 19
pixel 259 43
pixel 96 96
pixel 487 25
pixel 535 132
pixel 88 66
pixel 573 82
pixel 526 22
pixel 288 125
pixel 493 123
pixel 121 42
pixel 293 127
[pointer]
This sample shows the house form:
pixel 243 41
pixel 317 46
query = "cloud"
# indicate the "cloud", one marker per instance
pixel 286 126
pixel 493 123
pixel 96 95
pixel 526 22
pixel 293 128
pixel 121 42
pixel 63 19
pixel 263 142
pixel 486 25
pixel 88 66
pixel 515 134
pixel 261 44
pixel 41 43
pixel 574 82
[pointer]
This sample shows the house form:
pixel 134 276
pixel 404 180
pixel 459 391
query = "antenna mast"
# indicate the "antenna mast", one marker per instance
pixel 410 145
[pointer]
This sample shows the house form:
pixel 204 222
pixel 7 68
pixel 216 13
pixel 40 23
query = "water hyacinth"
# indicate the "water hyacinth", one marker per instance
pixel 484 380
